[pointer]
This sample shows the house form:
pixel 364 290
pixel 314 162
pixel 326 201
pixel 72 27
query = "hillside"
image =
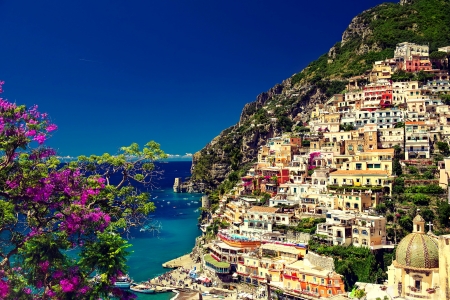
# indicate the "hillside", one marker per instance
pixel 371 36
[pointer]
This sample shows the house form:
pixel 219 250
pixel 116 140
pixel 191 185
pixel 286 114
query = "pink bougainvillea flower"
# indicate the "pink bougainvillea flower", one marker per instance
pixel 51 127
pixel 31 132
pixel 4 289
pixel 40 138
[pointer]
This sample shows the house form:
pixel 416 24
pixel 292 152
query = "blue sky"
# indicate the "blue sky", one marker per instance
pixel 114 72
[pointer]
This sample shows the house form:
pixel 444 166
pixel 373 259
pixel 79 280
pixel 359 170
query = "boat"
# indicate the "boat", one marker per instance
pixel 142 288
pixel 123 282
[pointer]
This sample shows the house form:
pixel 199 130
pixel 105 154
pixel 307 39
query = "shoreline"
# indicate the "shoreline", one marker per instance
pixel 181 261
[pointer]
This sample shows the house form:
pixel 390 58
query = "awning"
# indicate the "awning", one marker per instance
pixel 207 280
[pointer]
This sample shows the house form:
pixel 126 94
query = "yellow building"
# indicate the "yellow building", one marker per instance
pixel 271 262
pixel 364 178
pixel 233 213
pixel 369 231
pixel 444 173
pixel 356 201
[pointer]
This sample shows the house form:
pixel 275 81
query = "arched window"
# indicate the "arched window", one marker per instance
pixel 364 232
pixel 355 231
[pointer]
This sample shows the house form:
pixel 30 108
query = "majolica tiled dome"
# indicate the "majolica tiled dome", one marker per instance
pixel 418 250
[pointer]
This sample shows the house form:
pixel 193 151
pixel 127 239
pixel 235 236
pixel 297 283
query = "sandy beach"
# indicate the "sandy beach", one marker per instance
pixel 178 279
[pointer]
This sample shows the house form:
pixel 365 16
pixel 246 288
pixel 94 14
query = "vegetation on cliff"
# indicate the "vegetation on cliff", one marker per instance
pixel 371 36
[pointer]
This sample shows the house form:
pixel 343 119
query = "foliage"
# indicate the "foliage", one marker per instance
pixel 359 293
pixel 418 199
pixel 308 225
pixel 301 129
pixel 347 127
pixel 445 98
pixel 399 125
pixel 438 55
pixel 443 148
pixel 355 263
pixel 426 189
pixel 443 213
pixel 406 223
pixel 401 75
pixel 397 167
pixel 284 123
pixel 427 214
pixel 423 76
pixel 49 209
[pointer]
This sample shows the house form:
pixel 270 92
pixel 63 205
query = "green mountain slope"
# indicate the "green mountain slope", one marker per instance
pixel 371 36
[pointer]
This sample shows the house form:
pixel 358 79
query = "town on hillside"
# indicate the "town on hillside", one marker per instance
pixel 367 174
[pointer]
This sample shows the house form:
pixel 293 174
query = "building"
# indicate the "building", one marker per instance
pixel 305 278
pixel 369 231
pixel 258 220
pixel 405 51
pixel 417 143
pixel 416 272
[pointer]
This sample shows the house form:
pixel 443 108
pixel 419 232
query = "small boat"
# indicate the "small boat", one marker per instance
pixel 123 282
pixel 142 288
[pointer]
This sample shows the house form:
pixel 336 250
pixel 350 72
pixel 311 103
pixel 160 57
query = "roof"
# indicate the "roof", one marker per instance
pixel 415 123
pixel 418 218
pixel 359 172
pixel 281 248
pixel 218 264
pixel 418 250
pixel 302 268
pixel 263 209
pixel 222 245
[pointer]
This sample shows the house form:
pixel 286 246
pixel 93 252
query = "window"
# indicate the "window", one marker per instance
pixel 417 284
pixel 368 181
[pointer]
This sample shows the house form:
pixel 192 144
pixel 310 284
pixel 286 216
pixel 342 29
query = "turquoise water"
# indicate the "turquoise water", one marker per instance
pixel 178 220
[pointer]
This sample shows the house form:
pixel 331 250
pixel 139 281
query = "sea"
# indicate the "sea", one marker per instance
pixel 171 232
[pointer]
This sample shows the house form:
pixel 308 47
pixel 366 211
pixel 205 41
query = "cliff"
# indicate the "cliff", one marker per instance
pixel 371 36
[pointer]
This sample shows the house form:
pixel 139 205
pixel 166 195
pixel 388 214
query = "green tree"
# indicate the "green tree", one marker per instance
pixel 443 148
pixel 397 167
pixel 443 212
pixel 360 293
pixel 438 55
pixel 49 210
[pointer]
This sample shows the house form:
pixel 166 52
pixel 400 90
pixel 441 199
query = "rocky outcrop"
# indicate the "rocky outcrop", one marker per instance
pixel 358 29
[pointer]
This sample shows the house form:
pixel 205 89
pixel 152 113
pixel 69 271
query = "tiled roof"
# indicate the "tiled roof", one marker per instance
pixel 264 209
pixel 359 172
pixel 415 123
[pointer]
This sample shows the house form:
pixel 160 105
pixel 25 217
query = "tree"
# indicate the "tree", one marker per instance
pixel 48 209
pixel 443 148
pixel 438 55
pixel 443 212
pixel 397 167
pixel 360 293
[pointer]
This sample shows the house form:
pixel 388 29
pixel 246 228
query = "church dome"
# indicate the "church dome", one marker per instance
pixel 418 250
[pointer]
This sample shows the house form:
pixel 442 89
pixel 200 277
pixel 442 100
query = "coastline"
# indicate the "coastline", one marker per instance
pixel 178 281
pixel 184 261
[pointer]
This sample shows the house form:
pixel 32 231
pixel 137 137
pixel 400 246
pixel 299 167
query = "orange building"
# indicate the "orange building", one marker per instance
pixel 301 278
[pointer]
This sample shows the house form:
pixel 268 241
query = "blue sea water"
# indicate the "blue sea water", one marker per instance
pixel 177 213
